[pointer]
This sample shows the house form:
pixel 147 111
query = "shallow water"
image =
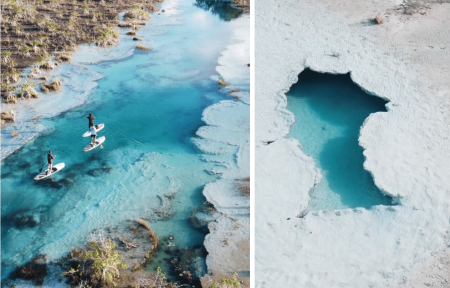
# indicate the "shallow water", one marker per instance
pixel 329 111
pixel 151 103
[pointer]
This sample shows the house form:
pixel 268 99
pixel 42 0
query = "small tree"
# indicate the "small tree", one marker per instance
pixel 226 283
pixel 6 56
pixel 28 91
pixel 106 259
pixel 100 265
pixel 159 282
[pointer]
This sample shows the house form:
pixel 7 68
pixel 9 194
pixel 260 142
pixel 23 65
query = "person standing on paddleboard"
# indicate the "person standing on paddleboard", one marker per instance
pixel 93 135
pixel 50 158
pixel 91 120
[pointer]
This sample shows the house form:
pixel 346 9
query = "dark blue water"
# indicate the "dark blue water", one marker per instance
pixel 329 111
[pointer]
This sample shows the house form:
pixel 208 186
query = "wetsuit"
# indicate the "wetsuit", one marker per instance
pixel 91 120
pixel 50 158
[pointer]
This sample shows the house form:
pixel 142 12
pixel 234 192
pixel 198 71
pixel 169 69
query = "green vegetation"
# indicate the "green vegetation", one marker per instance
pixel 226 283
pixel 106 260
pixel 100 265
pixel 136 13
pixel 28 91
pixel 108 37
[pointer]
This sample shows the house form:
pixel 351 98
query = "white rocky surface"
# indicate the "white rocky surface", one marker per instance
pixel 226 140
pixel 406 61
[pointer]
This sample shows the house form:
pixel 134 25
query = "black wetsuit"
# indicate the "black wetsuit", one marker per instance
pixel 50 158
pixel 91 120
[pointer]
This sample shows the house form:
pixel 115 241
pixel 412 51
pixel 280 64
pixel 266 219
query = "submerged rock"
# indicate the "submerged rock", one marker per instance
pixel 198 268
pixel 35 270
pixel 95 172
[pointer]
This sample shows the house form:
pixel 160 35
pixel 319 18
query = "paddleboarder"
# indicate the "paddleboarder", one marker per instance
pixel 50 158
pixel 93 135
pixel 91 120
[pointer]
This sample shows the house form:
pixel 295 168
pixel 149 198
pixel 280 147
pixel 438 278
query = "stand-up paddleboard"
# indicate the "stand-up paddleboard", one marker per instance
pixel 97 128
pixel 98 142
pixel 44 174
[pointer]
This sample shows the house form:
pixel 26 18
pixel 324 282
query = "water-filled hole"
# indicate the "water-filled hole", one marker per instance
pixel 329 112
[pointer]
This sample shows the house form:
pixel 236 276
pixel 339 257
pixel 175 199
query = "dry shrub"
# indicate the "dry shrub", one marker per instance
pixel 379 20
pixel 244 186
pixel 135 39
pixel 142 47
pixel 14 134
pixel 136 13
pixel 10 100
pixel 131 33
pixel 222 82
pixel 54 86
pixel 65 57
pixel 7 117
pixel 235 90
pixel 71 48
pixel 125 25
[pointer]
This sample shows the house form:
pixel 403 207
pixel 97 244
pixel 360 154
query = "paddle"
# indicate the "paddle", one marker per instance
pixel 42 167
pixel 45 164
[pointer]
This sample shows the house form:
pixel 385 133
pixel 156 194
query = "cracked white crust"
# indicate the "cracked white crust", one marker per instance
pixel 407 149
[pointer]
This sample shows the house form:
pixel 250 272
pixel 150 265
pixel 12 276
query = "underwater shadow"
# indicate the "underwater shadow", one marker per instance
pixel 346 175
pixel 226 10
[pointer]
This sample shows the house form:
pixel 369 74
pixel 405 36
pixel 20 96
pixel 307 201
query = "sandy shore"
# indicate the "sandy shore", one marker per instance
pixel 405 61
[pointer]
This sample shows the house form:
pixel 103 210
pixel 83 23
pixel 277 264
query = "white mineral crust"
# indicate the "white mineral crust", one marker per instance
pixel 405 61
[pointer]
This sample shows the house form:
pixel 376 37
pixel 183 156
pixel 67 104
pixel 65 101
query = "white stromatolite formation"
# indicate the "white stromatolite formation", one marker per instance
pixel 406 61
pixel 226 141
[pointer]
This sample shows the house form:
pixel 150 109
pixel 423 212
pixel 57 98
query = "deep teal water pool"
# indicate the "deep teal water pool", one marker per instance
pixel 329 111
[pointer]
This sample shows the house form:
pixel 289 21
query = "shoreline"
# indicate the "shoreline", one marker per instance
pixel 32 110
pixel 227 131
pixel 394 246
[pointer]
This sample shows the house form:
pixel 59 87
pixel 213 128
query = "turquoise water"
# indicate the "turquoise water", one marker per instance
pixel 151 103
pixel 329 111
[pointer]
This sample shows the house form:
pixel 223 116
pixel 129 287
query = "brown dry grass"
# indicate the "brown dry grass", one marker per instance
pixel 131 33
pixel 12 100
pixel 35 30
pixel 65 57
pixel 142 47
pixel 14 134
pixel 7 117
pixel 136 13
pixel 55 85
